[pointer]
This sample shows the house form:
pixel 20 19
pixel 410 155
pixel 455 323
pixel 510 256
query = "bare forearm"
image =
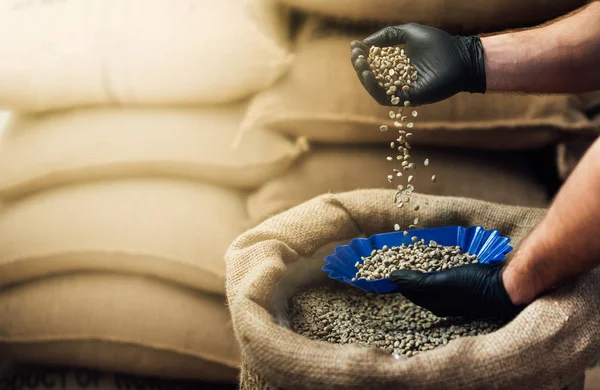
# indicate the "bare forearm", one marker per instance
pixel 561 57
pixel 567 241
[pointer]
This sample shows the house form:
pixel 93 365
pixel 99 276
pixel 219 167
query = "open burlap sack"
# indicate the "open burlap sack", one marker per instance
pixel 121 323
pixel 250 379
pixel 506 178
pixel 38 151
pixel 547 346
pixel 322 99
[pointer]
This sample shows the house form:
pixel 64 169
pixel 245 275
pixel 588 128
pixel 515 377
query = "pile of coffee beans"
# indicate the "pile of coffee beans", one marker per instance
pixel 418 257
pixel 344 315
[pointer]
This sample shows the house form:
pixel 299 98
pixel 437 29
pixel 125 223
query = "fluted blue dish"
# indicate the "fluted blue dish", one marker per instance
pixel 489 246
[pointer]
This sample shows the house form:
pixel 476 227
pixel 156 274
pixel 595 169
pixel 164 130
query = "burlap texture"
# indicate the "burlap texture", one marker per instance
pixel 118 323
pixel 20 376
pixel 458 17
pixel 175 230
pixel 506 178
pixel 63 147
pixel 569 153
pixel 250 379
pixel 68 53
pixel 590 104
pixel 546 347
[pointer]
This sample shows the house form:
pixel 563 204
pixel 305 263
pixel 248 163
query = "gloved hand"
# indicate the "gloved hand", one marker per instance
pixel 474 290
pixel 445 64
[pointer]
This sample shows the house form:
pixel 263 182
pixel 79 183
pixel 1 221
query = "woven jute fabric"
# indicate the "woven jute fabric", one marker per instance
pixel 547 346
pixel 570 152
pixel 118 323
pixel 250 379
pixel 507 178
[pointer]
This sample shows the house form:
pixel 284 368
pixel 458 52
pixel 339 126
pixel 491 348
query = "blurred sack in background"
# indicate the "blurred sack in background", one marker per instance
pixel 120 323
pixel 343 168
pixel 61 54
pixel 45 150
pixel 120 187
pixel 457 16
pixel 34 377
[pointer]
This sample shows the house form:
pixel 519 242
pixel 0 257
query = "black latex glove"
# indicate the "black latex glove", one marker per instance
pixel 446 64
pixel 474 290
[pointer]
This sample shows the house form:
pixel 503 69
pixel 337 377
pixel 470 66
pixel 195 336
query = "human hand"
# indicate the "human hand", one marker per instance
pixel 474 290
pixel 446 64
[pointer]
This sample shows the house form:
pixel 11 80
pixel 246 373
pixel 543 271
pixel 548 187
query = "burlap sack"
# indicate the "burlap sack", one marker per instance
pixel 321 98
pixel 35 377
pixel 171 229
pixel 250 379
pixel 569 153
pixel 590 104
pixel 118 323
pixel 459 16
pixel 59 54
pixel 4 118
pixel 272 18
pixel 506 178
pixel 45 150
pixel 547 346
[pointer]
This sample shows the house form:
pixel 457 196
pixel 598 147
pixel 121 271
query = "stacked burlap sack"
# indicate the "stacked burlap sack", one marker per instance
pixel 460 17
pixel 4 117
pixel 571 149
pixel 485 147
pixel 34 377
pixel 120 188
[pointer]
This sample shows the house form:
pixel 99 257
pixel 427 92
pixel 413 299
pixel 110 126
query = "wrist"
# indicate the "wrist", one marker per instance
pixel 521 282
pixel 473 54
pixel 497 61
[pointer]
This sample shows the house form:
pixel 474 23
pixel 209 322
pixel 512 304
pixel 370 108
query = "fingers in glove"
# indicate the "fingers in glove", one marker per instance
pixel 404 96
pixel 389 36
pixel 425 300
pixel 354 54
pixel 422 290
pixel 411 280
pixel 441 304
pixel 378 93
pixel 366 77
pixel 359 45
pixel 361 65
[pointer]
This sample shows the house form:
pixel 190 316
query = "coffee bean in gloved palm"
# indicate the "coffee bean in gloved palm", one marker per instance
pixel 445 64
